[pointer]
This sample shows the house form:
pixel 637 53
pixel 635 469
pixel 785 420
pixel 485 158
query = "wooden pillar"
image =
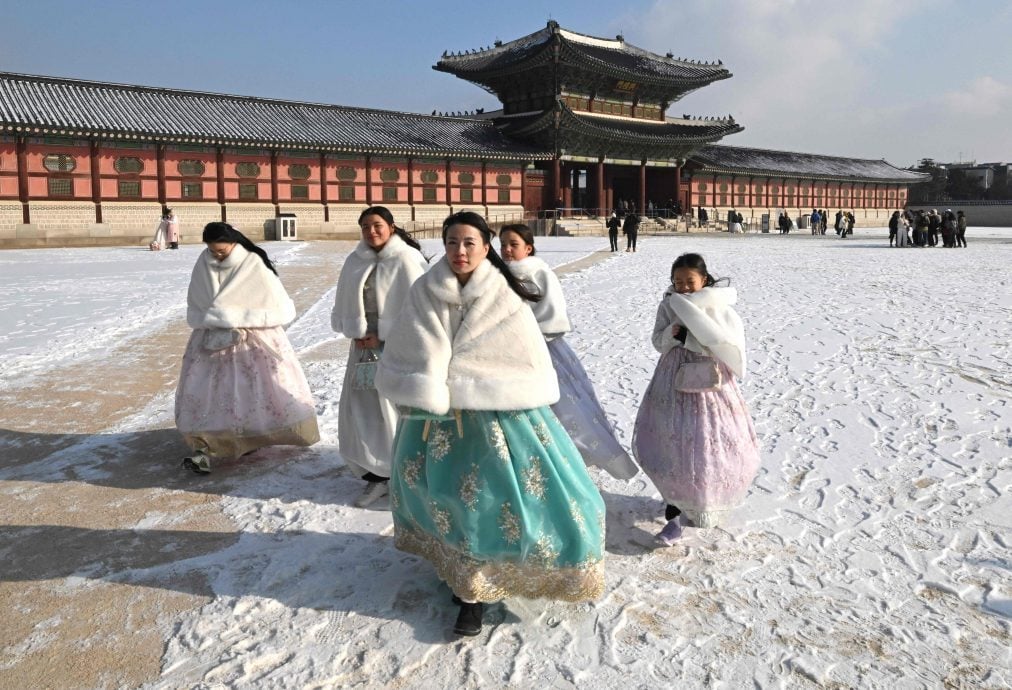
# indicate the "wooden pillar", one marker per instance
pixel 160 167
pixel 678 185
pixel 220 170
pixel 449 184
pixel 484 170
pixel 21 148
pixel 368 180
pixel 751 193
pixel 556 181
pixel 96 180
pixel 642 189
pixel 411 185
pixel 274 181
pixel 523 185
pixel 567 188
pixel 600 200
pixel 323 187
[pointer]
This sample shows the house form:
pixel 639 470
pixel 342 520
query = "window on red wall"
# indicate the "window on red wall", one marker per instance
pixel 300 191
pixel 129 189
pixel 61 186
pixel 193 190
pixel 247 191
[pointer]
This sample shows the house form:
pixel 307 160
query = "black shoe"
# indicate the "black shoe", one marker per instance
pixel 469 620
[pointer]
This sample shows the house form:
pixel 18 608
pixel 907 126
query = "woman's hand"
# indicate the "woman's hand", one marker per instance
pixel 370 342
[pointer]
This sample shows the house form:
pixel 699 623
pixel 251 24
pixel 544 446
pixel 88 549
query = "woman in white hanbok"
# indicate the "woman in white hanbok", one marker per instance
pixel 578 408
pixel 373 285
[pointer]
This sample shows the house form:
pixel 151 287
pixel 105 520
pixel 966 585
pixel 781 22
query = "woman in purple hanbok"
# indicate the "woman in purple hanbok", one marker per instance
pixel 694 436
pixel 241 386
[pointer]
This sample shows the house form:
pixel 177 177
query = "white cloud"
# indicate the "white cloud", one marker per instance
pixel 983 97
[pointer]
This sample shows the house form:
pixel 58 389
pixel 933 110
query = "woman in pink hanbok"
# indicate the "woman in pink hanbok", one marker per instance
pixel 241 386
pixel 694 436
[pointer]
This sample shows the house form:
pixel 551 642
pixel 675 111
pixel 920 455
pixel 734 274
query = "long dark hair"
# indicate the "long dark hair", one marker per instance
pixel 223 232
pixel 696 263
pixel 523 232
pixel 478 223
pixel 384 213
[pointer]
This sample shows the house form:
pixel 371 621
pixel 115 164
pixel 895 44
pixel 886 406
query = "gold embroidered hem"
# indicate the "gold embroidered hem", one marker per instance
pixel 227 445
pixel 491 581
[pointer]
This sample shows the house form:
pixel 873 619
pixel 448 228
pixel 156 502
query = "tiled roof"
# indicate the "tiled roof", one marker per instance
pixel 738 160
pixel 75 107
pixel 613 55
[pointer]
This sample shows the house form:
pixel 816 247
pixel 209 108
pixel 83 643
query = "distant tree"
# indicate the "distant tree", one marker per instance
pixel 933 188
pixel 964 187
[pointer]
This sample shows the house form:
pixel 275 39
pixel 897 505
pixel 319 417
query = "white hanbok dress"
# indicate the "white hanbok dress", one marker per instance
pixel 578 408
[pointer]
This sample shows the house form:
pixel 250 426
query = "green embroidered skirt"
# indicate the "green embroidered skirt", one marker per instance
pixel 500 503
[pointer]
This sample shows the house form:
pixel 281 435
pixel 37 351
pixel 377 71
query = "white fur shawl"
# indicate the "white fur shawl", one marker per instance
pixel 397 266
pixel 714 326
pixel 239 292
pixel 540 278
pixel 495 359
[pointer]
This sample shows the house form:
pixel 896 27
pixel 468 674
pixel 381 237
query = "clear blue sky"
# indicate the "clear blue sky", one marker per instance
pixel 894 79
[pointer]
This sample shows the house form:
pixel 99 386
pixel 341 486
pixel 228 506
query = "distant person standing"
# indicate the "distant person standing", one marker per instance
pixel 816 222
pixel 157 242
pixel 934 226
pixel 614 223
pixel 631 227
pixel 948 228
pixel 171 229
pixel 960 229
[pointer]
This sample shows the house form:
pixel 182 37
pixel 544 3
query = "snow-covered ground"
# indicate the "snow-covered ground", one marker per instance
pixel 873 550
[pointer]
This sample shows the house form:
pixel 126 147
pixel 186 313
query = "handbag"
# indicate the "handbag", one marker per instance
pixel 698 377
pixel 363 375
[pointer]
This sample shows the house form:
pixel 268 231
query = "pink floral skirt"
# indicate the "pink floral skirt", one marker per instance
pixel 232 401
pixel 699 449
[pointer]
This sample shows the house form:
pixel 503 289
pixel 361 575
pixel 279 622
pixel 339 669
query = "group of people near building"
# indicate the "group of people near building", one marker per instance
pixel 927 228
pixel 463 404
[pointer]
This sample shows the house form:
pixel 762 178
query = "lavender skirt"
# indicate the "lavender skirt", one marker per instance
pixel 699 449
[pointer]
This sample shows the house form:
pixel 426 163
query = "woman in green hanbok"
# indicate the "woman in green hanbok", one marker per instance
pixel 486 484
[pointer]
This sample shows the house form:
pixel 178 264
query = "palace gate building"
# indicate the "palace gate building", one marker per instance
pixel 583 126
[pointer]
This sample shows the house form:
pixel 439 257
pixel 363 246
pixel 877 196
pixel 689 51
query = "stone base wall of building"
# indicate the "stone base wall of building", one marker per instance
pixel 256 221
pixel 193 217
pixel 11 217
pixel 72 223
pixel 126 219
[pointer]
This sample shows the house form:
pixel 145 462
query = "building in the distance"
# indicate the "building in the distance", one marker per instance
pixel 583 127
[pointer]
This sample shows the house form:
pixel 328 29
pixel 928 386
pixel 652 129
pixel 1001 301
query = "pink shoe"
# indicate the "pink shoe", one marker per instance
pixel 670 533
